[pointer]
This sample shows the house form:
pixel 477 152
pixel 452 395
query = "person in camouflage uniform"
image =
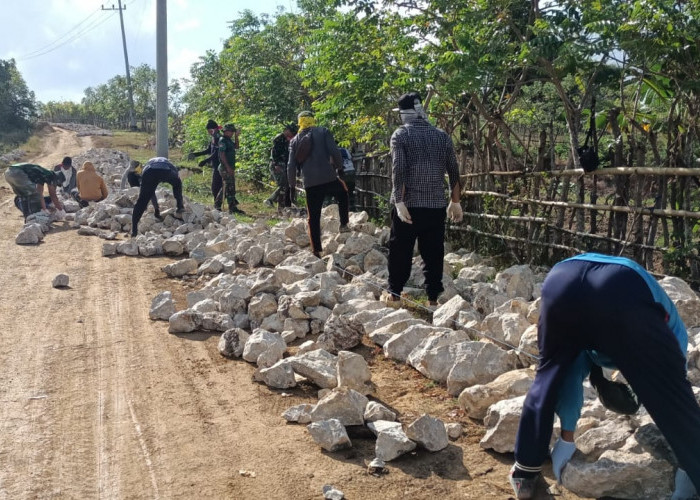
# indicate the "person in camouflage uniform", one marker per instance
pixel 279 155
pixel 227 154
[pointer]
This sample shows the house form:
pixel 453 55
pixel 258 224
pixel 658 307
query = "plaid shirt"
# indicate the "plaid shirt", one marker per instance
pixel 421 155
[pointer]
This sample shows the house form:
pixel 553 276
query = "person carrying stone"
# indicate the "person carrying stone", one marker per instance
pixel 91 186
pixel 421 156
pixel 27 182
pixel 604 311
pixel 155 171
pixel 319 174
pixel 132 177
pixel 227 155
pixel 212 152
pixel 279 157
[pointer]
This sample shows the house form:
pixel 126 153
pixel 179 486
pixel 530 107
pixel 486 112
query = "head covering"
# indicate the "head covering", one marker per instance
pixel 229 127
pixel 88 166
pixel 306 120
pixel 408 101
pixel 410 107
pixel 212 124
pixel 292 127
pixel 67 161
pixel 135 166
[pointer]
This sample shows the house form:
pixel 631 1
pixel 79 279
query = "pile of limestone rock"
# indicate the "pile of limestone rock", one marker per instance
pixel 298 318
pixel 83 129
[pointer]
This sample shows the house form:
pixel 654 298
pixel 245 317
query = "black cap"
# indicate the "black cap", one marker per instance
pixel 212 124
pixel 67 161
pixel 408 101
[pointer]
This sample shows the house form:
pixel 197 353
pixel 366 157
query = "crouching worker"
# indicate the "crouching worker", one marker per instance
pixel 27 182
pixel 155 171
pixel 599 310
pixel 91 187
pixel 132 177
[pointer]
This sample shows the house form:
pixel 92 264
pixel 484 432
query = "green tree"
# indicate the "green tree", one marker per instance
pixel 18 106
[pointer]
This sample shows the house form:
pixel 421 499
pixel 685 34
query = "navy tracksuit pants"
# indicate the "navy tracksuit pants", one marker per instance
pixel 149 182
pixel 609 308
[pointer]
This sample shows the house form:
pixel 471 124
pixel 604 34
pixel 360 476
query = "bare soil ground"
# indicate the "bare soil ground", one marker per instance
pixel 97 401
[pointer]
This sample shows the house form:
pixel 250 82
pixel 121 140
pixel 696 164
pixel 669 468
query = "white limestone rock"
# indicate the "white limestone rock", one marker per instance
pixel 347 405
pixel 502 419
pixel 401 344
pixel 376 411
pixel 262 341
pixel 454 430
pixel 429 432
pixel 516 281
pixel 329 434
pixel 280 375
pixel 353 372
pixel 478 363
pixel 261 306
pixel 181 268
pixel 475 400
pixel 185 321
pixel 299 413
pixel 392 442
pixel 319 366
pixel 162 306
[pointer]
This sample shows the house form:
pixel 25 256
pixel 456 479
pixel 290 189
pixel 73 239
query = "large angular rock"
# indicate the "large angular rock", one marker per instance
pixel 261 306
pixel 392 442
pixel 346 405
pixel 30 234
pixel 216 322
pixel 475 400
pixel 162 306
pixel 447 313
pixel 382 335
pixel 353 372
pixel 429 432
pixel 319 366
pixel 502 419
pixel 516 281
pixel 341 333
pixel 400 345
pixel 619 474
pixel 185 321
pixel 299 413
pixel 280 375
pixel 262 341
pixel 329 434
pixel 611 435
pixel 436 362
pixel 181 268
pixel 507 328
pixel 377 411
pixel 232 342
pixel 478 363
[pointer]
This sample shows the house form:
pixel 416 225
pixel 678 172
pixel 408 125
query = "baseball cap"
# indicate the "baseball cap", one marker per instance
pixel 229 127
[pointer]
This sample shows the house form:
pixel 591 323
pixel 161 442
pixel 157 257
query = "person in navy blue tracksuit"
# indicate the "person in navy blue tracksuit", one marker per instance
pixel 155 171
pixel 608 311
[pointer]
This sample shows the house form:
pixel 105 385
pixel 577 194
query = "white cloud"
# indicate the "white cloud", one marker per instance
pixel 179 65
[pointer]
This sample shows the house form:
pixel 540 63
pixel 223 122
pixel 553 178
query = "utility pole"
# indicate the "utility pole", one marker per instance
pixel 132 120
pixel 161 78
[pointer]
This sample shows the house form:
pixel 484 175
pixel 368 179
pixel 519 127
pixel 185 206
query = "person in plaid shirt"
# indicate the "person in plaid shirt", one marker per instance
pixel 421 155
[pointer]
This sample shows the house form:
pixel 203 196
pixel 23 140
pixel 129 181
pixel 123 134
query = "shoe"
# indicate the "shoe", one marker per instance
pixel 268 203
pixel 236 210
pixel 344 228
pixel 523 487
pixel 158 216
pixel 390 299
pixel 179 213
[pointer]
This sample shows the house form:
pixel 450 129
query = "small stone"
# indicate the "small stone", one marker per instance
pixel 332 493
pixel 61 280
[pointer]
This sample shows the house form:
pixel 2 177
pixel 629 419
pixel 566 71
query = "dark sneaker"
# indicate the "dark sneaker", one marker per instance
pixel 236 210
pixel 523 487
pixel 158 216
pixel 344 228
pixel 178 214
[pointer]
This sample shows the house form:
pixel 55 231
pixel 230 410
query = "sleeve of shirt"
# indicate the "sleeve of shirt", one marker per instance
pixel 333 149
pixel 452 167
pixel 398 170
pixel 571 394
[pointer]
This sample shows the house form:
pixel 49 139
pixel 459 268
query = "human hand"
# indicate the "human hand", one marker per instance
pixel 684 487
pixel 403 213
pixel 562 451
pixel 454 212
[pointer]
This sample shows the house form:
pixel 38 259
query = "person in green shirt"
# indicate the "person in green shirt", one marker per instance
pixel 27 182
pixel 227 155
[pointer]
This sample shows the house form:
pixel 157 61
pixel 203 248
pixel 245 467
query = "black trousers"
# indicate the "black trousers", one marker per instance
pixel 149 182
pixel 609 308
pixel 217 186
pixel 429 229
pixel 134 180
pixel 314 204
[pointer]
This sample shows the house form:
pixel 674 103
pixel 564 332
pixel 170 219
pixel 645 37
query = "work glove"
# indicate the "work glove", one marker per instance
pixel 190 156
pixel 562 451
pixel 402 212
pixel 684 486
pixel 203 162
pixel 454 212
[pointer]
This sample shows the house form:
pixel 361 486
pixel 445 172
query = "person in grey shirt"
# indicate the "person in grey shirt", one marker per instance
pixel 319 175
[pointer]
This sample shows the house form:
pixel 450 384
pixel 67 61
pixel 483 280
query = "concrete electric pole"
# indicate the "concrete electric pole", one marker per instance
pixel 132 120
pixel 161 79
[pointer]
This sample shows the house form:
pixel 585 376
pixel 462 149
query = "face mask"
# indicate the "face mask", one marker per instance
pixel 408 115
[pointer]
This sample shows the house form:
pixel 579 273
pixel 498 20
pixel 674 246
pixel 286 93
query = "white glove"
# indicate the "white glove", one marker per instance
pixel 454 212
pixel 562 451
pixel 402 212
pixel 684 486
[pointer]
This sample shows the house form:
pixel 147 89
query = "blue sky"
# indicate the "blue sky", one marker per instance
pixel 64 46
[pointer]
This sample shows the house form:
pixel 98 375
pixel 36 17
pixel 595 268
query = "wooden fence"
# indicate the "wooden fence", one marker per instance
pixel 645 213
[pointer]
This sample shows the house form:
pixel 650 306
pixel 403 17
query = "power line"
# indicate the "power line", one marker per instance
pixel 72 38
pixel 57 40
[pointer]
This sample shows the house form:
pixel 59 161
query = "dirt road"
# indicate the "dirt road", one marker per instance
pixel 97 401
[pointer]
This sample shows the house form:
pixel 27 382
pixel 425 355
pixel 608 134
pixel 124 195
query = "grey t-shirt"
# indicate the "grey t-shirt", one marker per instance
pixel 317 169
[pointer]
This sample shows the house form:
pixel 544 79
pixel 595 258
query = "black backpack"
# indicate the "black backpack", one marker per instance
pixel 588 155
pixel 305 144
